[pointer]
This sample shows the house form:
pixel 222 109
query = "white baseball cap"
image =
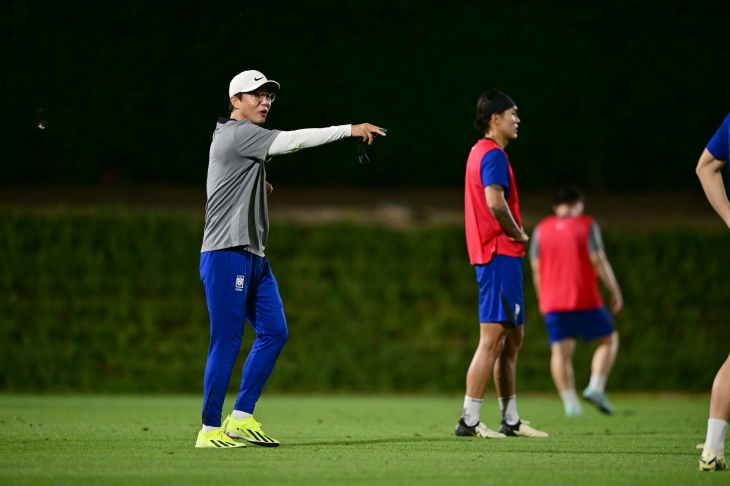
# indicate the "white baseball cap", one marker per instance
pixel 249 81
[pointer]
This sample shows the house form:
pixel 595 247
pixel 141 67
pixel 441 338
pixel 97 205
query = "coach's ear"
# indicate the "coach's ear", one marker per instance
pixel 236 102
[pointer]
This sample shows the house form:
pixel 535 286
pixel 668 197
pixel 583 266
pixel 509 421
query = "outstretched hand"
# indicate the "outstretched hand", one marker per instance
pixel 366 132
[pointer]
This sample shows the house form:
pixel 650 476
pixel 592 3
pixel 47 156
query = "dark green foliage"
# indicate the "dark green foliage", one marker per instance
pixel 112 301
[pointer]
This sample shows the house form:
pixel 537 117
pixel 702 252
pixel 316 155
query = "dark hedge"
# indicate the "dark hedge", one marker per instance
pixel 112 302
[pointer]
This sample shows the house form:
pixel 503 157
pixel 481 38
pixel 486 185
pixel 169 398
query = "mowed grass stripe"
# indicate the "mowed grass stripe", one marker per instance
pixel 349 440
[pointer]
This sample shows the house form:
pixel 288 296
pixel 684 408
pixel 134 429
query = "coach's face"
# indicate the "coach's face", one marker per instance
pixel 507 123
pixel 254 106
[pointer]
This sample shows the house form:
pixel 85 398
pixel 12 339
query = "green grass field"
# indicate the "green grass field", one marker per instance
pixel 140 440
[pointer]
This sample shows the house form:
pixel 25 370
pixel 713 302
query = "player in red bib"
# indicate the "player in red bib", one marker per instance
pixel 567 258
pixel 495 241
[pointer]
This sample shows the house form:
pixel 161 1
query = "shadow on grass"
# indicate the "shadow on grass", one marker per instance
pixel 556 450
pixel 367 441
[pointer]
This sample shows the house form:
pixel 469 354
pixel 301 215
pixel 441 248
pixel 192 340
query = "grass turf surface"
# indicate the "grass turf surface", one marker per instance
pixel 349 440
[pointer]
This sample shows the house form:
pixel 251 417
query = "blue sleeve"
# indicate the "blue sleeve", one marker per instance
pixel 494 169
pixel 718 145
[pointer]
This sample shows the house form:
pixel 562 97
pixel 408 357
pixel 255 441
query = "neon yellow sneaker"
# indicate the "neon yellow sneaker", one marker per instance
pixel 710 460
pixel 249 430
pixel 216 439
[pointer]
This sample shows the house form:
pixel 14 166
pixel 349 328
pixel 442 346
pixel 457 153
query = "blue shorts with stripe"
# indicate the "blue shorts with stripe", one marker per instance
pixel 587 324
pixel 501 299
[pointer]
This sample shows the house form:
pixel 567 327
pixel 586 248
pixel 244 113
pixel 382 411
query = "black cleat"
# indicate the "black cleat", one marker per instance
pixel 520 429
pixel 478 430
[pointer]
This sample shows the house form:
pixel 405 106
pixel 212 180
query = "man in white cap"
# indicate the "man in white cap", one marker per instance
pixel 238 281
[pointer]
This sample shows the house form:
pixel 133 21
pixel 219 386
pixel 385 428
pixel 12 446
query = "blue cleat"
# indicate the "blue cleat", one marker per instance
pixel 571 411
pixel 599 400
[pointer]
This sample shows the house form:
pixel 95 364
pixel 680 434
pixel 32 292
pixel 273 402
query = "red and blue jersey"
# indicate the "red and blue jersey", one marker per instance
pixel 488 164
pixel 568 281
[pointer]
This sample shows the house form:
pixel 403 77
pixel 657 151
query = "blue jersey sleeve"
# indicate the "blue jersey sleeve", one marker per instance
pixel 494 169
pixel 718 145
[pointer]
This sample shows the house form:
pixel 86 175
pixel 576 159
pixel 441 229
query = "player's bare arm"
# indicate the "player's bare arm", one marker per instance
pixel 498 206
pixel 535 264
pixel 606 276
pixel 710 175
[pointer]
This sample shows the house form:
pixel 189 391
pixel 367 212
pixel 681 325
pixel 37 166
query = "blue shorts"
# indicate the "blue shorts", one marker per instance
pixel 588 325
pixel 500 291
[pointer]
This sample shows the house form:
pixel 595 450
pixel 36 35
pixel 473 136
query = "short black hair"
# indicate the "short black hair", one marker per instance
pixel 489 103
pixel 568 194
pixel 238 95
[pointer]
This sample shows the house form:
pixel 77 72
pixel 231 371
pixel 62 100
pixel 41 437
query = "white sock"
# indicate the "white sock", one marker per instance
pixel 238 415
pixel 570 399
pixel 716 429
pixel 598 383
pixel 509 409
pixel 208 428
pixel 470 413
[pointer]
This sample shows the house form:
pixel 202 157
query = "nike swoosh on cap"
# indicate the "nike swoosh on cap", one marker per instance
pixel 256 79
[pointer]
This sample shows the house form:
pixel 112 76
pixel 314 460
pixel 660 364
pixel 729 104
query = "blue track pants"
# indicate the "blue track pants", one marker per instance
pixel 239 286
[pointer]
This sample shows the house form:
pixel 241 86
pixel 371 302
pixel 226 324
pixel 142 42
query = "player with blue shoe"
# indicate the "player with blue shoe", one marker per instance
pixel 568 259
pixel 709 171
pixel 239 284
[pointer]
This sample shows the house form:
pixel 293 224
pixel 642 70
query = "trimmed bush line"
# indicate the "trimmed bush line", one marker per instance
pixel 112 302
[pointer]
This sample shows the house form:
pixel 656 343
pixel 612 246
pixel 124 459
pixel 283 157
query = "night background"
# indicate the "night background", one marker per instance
pixel 108 113
pixel 616 95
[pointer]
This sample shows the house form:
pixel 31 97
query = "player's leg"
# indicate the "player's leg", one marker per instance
pixel 505 381
pixel 510 305
pixel 561 364
pixel 598 326
pixel 492 335
pixel 720 399
pixel 505 375
pixel 562 331
pixel 265 312
pixel 223 274
pixel 713 453
pixel 603 359
pixel 561 367
pixel 491 343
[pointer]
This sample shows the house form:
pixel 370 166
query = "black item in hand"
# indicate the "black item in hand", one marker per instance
pixel 362 156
